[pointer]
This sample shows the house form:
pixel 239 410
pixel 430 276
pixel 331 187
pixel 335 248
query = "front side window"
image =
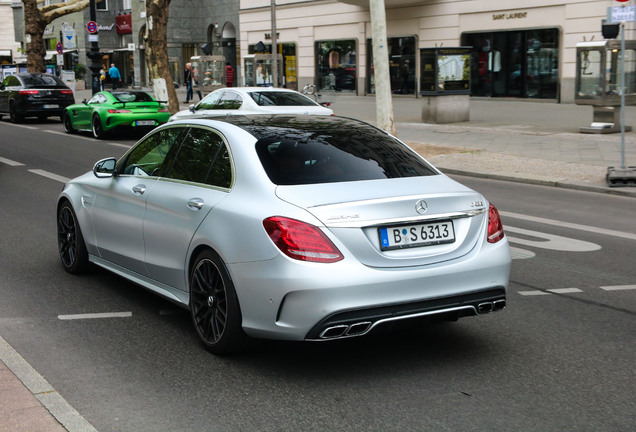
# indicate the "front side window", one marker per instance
pixel 210 101
pixel 202 158
pixel 230 101
pixel 151 156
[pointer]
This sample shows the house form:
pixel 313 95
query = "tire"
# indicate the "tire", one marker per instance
pixel 68 125
pixel 13 114
pixel 98 129
pixel 214 307
pixel 70 241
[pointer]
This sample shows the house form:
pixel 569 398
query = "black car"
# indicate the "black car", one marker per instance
pixel 34 95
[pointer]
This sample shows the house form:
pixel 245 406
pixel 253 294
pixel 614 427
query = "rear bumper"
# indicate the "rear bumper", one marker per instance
pixel 283 299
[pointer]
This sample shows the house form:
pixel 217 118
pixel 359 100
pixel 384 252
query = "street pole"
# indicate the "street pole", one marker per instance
pixel 274 47
pixel 94 55
pixel 623 94
pixel 383 98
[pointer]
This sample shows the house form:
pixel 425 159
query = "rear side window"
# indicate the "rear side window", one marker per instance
pixel 338 156
pixel 202 158
pixel 274 98
pixel 40 81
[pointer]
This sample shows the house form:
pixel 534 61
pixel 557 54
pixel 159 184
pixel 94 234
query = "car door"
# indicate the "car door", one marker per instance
pixel 83 115
pixel 10 85
pixel 120 205
pixel 200 177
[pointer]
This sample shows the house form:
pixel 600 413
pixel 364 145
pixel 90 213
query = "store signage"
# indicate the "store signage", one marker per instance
pixel 105 28
pixel 124 24
pixel 509 15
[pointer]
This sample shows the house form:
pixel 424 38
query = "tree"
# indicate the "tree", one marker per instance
pixel 156 42
pixel 35 21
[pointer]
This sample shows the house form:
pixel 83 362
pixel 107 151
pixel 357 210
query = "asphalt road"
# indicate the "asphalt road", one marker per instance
pixel 559 357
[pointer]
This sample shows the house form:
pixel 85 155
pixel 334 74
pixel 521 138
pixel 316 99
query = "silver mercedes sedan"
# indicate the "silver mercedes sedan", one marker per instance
pixel 298 228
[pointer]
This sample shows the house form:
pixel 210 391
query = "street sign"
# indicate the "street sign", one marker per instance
pixel 59 48
pixel 91 26
pixel 618 14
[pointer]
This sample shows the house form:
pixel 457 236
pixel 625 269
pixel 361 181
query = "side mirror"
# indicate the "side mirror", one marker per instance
pixel 105 168
pixel 192 108
pixel 84 101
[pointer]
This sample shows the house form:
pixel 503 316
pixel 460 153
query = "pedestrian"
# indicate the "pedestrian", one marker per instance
pixel 187 74
pixel 115 77
pixel 229 75
pixel 102 77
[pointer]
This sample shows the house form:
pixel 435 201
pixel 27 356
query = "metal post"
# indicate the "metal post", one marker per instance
pixel 94 55
pixel 623 94
pixel 274 47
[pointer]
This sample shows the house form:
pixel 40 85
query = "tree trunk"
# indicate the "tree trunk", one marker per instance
pixel 34 24
pixel 156 51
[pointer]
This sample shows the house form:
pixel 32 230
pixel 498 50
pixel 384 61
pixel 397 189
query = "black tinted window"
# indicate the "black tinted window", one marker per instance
pixel 149 157
pixel 132 96
pixel 39 81
pixel 270 98
pixel 196 160
pixel 337 155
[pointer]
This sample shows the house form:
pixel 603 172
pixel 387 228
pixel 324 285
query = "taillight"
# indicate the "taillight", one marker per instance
pixel 67 91
pixel 301 241
pixel 28 92
pixel 495 227
pixel 118 111
pixel 163 110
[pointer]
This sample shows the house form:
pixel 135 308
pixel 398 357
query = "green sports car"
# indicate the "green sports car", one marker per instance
pixel 110 110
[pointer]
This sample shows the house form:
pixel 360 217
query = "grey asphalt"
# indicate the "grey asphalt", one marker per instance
pixel 516 140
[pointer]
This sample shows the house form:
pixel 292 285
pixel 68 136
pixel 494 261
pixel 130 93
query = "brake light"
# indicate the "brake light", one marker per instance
pixel 301 241
pixel 118 111
pixel 69 91
pixel 495 227
pixel 28 92
pixel 163 110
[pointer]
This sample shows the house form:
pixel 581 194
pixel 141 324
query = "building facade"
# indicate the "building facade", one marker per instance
pixel 521 50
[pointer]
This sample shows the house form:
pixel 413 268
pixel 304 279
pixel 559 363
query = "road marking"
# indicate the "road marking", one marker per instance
pixel 49 175
pixel 55 132
pixel 43 391
pixel 619 287
pixel 518 253
pixel 10 162
pixel 96 316
pixel 23 126
pixel 533 293
pixel 565 290
pixel 550 241
pixel 594 230
pixel 126 146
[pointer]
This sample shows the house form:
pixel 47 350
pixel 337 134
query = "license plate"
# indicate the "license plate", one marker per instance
pixel 417 235
pixel 51 106
pixel 145 123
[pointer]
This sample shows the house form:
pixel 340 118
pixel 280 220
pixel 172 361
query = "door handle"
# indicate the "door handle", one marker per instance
pixel 139 189
pixel 195 204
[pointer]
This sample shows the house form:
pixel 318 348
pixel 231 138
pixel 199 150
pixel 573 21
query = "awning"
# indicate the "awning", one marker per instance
pixel 5 53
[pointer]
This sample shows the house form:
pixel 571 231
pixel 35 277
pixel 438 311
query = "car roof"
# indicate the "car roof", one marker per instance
pixel 302 126
pixel 258 89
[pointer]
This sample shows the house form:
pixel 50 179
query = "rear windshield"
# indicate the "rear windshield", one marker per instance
pixel 274 98
pixel 338 156
pixel 132 96
pixel 40 81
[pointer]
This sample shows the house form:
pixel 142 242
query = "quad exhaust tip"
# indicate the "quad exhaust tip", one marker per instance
pixel 493 306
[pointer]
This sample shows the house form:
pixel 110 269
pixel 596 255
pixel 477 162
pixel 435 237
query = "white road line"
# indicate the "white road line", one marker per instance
pixel 23 126
pixel 594 230
pixel 533 293
pixel 619 287
pixel 126 146
pixel 63 412
pixel 52 176
pixel 565 290
pixel 96 316
pixel 55 132
pixel 10 162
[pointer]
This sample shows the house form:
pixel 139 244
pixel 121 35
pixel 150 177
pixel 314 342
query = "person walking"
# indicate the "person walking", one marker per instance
pixel 188 78
pixel 229 75
pixel 115 77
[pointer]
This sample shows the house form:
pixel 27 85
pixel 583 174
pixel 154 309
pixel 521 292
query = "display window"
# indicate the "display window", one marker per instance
pixel 336 65
pixel 401 65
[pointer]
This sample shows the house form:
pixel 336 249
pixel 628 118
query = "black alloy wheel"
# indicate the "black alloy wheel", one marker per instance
pixel 70 241
pixel 98 130
pixel 68 126
pixel 214 306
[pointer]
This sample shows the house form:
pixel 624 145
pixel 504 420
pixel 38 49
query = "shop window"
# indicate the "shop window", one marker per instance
pixel 336 65
pixel 401 65
pixel 288 75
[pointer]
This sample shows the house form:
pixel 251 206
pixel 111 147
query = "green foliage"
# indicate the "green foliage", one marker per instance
pixel 80 70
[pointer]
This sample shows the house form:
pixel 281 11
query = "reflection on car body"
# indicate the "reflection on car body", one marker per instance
pixel 275 227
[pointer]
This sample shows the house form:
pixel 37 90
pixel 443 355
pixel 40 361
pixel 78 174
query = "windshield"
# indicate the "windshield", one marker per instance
pixel 296 157
pixel 39 81
pixel 274 98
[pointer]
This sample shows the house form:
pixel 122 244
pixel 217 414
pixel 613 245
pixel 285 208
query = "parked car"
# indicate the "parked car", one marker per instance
pixel 34 95
pixel 107 111
pixel 252 100
pixel 299 228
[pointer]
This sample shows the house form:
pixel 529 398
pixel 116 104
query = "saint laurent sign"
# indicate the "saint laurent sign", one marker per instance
pixel 509 15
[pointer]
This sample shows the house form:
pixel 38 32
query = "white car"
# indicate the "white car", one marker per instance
pixel 252 100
